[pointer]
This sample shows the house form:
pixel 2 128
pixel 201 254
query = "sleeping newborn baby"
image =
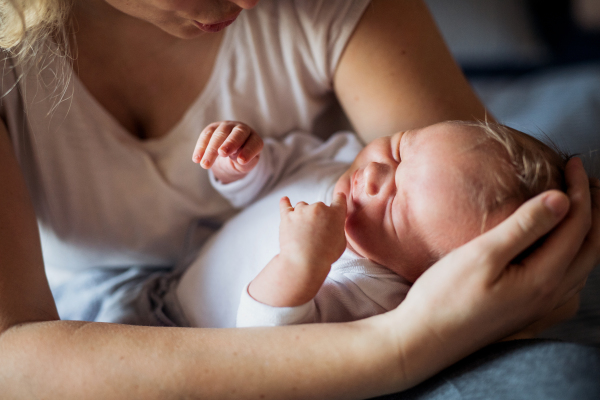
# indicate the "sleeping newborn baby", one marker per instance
pixel 396 207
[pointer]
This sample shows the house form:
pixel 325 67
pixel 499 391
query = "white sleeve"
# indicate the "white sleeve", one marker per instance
pixel 244 191
pixel 281 158
pixel 254 313
pixel 347 295
pixel 324 27
pixel 353 295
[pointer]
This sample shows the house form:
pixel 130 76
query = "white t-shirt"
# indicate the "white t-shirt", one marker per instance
pixel 104 198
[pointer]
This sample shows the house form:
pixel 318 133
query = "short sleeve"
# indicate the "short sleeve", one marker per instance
pixel 315 30
pixel 328 25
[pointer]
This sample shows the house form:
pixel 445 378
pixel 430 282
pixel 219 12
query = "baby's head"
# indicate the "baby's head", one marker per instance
pixel 415 196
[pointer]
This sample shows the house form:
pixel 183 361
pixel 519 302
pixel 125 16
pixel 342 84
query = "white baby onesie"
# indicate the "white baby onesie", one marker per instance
pixel 356 287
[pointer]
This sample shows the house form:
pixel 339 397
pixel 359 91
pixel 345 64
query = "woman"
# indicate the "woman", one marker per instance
pixel 109 192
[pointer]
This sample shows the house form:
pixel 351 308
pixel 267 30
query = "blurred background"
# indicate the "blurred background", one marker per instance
pixel 534 63
pixel 536 66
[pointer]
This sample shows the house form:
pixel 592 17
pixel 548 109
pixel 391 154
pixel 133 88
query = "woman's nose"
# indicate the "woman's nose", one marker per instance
pixel 377 177
pixel 245 4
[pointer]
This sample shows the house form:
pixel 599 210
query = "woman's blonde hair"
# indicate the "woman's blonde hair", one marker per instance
pixel 35 33
pixel 26 26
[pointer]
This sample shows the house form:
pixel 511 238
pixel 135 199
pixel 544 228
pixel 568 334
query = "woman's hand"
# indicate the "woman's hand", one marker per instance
pixel 230 148
pixel 477 295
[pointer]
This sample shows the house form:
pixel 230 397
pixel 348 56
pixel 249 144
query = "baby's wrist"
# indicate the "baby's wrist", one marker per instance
pixel 226 178
pixel 300 262
pixel 286 284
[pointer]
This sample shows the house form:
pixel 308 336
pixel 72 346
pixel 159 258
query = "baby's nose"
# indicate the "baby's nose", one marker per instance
pixel 376 177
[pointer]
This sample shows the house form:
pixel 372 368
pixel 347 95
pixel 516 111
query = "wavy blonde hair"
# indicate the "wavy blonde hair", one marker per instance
pixel 26 24
pixel 36 33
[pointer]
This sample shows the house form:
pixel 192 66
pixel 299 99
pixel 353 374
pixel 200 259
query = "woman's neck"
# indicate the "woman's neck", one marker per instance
pixel 144 77
pixel 119 32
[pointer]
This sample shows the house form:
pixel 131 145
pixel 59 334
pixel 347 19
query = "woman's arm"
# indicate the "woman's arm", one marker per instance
pixel 44 357
pixel 396 73
pixel 24 292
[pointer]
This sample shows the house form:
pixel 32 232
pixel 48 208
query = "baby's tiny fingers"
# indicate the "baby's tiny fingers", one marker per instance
pixel 339 202
pixel 252 147
pixel 203 141
pixel 238 136
pixel 301 204
pixel 247 167
pixel 285 206
pixel 218 137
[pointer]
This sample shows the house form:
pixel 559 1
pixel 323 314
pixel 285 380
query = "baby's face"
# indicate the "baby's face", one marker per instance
pixel 408 196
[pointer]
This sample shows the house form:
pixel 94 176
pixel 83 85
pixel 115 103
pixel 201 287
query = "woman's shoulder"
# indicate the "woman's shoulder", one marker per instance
pixel 309 14
pixel 317 30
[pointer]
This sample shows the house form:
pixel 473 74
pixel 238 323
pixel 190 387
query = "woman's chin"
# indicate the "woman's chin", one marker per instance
pixel 180 29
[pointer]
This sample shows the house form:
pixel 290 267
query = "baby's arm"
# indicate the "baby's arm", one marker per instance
pixel 230 148
pixel 354 289
pixel 311 239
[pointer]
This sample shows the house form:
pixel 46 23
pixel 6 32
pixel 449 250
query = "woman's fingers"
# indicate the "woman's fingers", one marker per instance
pixel 560 248
pixel 527 224
pixel 589 253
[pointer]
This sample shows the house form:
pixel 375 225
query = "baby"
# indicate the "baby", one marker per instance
pixel 398 206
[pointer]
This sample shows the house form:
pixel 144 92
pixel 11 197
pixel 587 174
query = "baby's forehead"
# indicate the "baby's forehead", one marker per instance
pixel 448 136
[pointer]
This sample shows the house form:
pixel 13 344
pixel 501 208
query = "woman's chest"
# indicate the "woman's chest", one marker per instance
pixel 147 92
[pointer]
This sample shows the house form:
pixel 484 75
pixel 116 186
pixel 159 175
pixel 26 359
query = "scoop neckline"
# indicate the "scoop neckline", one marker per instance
pixel 119 132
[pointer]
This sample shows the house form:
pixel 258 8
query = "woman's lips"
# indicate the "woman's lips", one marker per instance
pixel 213 28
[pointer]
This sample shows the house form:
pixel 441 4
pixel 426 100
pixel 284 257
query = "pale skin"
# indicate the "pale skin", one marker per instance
pixel 45 357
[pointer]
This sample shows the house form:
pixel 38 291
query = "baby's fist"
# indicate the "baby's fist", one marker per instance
pixel 230 148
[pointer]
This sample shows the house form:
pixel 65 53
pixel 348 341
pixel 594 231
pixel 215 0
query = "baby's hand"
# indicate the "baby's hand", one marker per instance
pixel 231 148
pixel 311 235
pixel 311 238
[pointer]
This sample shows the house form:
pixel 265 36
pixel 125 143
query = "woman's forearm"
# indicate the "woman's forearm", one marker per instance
pixel 64 359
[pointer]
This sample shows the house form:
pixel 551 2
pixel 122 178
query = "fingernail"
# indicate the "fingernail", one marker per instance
pixel 557 203
pixel 224 150
pixel 205 163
